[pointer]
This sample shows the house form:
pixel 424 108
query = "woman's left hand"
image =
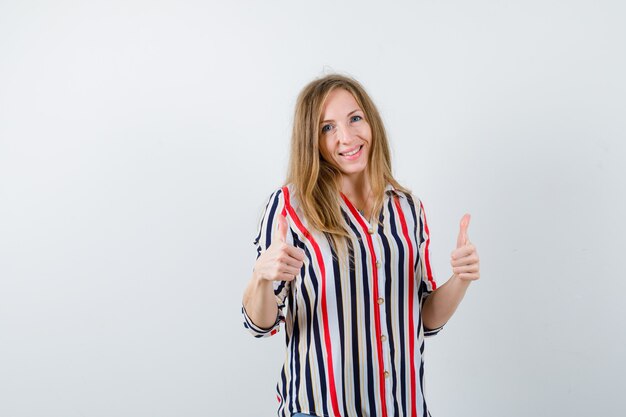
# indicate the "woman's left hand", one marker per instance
pixel 464 259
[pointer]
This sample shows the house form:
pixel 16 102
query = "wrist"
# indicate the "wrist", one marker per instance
pixel 258 278
pixel 461 283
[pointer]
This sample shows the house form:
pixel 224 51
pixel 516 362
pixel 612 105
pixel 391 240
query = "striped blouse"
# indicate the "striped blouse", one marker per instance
pixel 354 332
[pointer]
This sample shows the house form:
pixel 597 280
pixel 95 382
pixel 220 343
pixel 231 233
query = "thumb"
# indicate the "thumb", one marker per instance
pixel 282 228
pixel 462 239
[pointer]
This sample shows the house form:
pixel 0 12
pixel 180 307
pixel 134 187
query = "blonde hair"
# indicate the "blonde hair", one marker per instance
pixel 316 180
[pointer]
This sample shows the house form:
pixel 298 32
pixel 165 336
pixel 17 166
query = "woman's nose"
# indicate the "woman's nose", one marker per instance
pixel 344 134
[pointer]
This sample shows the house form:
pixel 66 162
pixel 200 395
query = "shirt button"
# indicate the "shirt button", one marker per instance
pixel 381 300
pixel 377 264
pixel 370 231
pixel 386 374
pixel 383 338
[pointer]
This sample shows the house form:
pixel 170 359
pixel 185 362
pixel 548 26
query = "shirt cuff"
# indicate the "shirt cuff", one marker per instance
pixel 432 332
pixel 260 331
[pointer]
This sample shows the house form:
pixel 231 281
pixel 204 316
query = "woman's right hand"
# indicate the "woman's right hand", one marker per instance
pixel 281 261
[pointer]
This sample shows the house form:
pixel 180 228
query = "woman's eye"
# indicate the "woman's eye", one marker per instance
pixel 356 118
pixel 326 128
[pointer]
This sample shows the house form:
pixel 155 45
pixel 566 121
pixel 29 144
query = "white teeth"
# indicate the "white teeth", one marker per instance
pixel 352 152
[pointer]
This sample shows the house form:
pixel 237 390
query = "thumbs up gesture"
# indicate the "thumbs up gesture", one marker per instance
pixel 281 261
pixel 464 259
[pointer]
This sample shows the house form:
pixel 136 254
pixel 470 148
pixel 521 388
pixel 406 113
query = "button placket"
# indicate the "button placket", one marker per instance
pixel 378 252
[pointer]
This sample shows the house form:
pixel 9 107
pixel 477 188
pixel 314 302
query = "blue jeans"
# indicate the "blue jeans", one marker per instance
pixel 302 415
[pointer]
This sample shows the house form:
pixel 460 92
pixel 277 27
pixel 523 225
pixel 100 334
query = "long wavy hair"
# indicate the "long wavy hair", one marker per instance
pixel 317 180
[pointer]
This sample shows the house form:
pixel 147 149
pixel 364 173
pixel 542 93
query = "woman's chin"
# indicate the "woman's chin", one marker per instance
pixel 353 171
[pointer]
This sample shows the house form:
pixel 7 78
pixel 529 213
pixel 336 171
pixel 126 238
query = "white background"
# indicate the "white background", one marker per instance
pixel 139 141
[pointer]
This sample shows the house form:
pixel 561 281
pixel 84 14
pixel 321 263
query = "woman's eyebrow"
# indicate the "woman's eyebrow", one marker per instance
pixel 349 114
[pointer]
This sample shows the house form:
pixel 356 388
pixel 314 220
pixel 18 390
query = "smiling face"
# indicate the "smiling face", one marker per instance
pixel 345 135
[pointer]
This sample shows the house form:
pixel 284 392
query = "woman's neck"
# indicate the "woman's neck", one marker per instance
pixel 355 185
pixel 358 190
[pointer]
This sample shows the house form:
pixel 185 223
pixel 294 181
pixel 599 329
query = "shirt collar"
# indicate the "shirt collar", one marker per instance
pixel 390 190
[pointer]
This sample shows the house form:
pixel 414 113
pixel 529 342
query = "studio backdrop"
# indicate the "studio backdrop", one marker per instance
pixel 140 140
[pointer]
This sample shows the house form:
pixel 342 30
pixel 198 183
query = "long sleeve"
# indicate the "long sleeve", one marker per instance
pixel 427 283
pixel 266 232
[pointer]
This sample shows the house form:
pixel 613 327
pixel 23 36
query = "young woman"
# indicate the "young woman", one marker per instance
pixel 343 262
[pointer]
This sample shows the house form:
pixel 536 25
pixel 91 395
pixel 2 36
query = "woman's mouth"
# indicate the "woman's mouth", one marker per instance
pixel 352 154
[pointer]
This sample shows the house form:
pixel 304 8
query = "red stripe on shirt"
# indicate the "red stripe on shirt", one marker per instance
pixel 379 343
pixel 426 253
pixel 320 260
pixel 405 232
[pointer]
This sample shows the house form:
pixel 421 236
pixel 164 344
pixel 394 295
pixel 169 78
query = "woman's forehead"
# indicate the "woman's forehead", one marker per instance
pixel 338 102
